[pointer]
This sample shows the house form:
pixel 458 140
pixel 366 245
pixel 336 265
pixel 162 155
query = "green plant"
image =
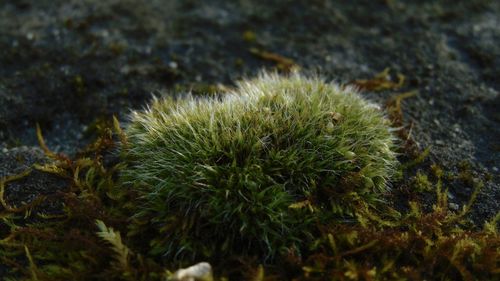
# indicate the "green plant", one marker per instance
pixel 257 170
pixel 409 240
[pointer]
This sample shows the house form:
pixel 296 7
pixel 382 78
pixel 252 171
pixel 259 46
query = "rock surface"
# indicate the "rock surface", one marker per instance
pixel 22 191
pixel 67 64
pixel 25 190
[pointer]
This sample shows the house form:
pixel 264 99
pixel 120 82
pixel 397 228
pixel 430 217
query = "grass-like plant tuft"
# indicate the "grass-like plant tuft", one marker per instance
pixel 255 171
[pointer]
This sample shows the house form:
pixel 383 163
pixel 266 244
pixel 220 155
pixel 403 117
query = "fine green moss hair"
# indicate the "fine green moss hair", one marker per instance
pixel 257 170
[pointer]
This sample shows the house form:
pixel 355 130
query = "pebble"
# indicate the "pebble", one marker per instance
pixel 199 272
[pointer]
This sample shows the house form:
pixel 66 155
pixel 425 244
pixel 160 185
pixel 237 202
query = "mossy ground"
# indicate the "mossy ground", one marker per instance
pixel 406 240
pixel 124 50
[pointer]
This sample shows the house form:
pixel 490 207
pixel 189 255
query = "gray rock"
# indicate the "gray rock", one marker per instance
pixel 23 191
pixel 199 272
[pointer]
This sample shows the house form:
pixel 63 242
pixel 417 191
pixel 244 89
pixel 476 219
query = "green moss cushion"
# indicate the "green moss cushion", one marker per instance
pixel 256 171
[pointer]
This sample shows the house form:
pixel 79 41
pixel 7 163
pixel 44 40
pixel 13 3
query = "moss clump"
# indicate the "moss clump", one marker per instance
pixel 254 172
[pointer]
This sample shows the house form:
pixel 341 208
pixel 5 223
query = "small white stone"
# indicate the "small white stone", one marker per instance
pixel 199 272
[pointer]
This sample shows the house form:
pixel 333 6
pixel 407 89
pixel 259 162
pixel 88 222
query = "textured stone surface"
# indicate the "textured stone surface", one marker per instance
pixel 23 191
